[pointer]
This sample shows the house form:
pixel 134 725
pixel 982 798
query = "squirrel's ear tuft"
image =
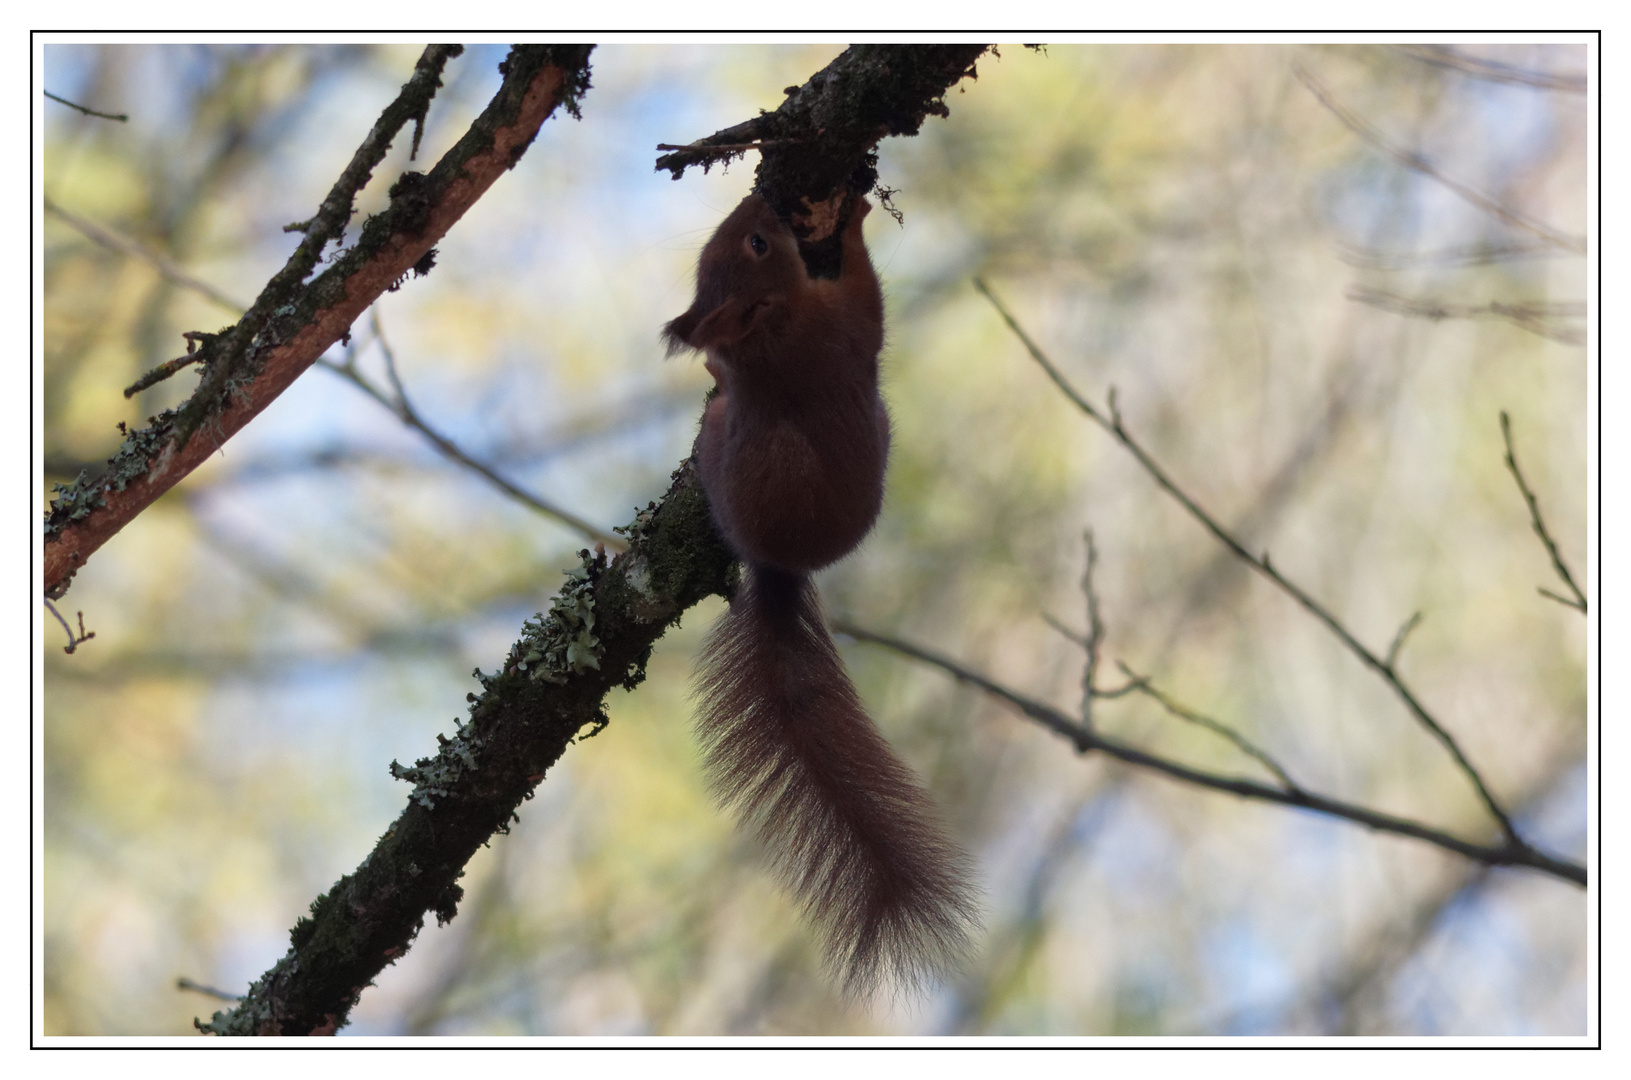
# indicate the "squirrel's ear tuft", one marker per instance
pixel 726 324
pixel 677 332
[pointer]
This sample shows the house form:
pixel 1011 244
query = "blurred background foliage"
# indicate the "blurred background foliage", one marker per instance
pixel 1185 223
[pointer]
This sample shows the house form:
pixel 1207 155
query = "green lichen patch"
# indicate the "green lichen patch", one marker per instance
pixel 74 501
pixel 434 777
pixel 640 526
pixel 562 643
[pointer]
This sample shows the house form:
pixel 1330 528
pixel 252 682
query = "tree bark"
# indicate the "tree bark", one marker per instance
pixel 249 364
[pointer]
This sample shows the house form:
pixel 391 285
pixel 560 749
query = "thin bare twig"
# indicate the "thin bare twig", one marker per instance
pixel 121 117
pixel 74 640
pixel 1142 684
pixel 1075 637
pixel 400 406
pixel 1416 163
pixel 1089 642
pixel 185 983
pixel 1493 70
pixel 397 401
pixel 1112 424
pixel 1512 851
pixel 1398 638
pixel 160 373
pixel 1095 632
pixel 733 148
pixel 170 367
pixel 167 268
pixel 1081 640
pixel 1579 601
pixel 1466 255
pixel 1533 316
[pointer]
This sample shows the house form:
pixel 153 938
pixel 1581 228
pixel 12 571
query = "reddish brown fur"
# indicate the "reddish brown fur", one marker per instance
pixel 792 457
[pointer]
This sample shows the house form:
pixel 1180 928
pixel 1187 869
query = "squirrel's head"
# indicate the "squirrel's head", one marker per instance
pixel 749 268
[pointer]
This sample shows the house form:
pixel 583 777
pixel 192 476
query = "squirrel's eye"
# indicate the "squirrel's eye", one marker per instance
pixel 757 243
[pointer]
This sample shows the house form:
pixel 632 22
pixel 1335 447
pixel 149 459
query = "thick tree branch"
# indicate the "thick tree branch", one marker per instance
pixel 292 323
pixel 597 636
pixel 817 149
pixel 1511 852
pixel 551 687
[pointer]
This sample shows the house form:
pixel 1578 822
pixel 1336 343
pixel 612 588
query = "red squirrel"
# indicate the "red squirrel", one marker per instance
pixel 792 456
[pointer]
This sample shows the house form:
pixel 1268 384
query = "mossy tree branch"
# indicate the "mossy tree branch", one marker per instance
pixel 550 690
pixel 247 365
pixel 818 148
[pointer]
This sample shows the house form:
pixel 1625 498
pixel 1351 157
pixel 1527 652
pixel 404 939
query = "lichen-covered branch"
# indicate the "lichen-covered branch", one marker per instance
pixel 598 634
pixel 818 147
pixel 247 365
pixel 549 692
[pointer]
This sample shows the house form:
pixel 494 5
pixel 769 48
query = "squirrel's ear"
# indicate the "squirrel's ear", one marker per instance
pixel 677 333
pixel 726 324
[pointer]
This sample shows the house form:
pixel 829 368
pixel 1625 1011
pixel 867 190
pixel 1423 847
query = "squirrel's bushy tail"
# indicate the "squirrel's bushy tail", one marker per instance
pixel 787 744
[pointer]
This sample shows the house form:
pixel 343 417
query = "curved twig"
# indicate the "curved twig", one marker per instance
pixel 1579 601
pixel 399 404
pixel 121 117
pixel 1416 163
pixel 74 640
pixel 1493 70
pixel 1142 684
pixel 167 268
